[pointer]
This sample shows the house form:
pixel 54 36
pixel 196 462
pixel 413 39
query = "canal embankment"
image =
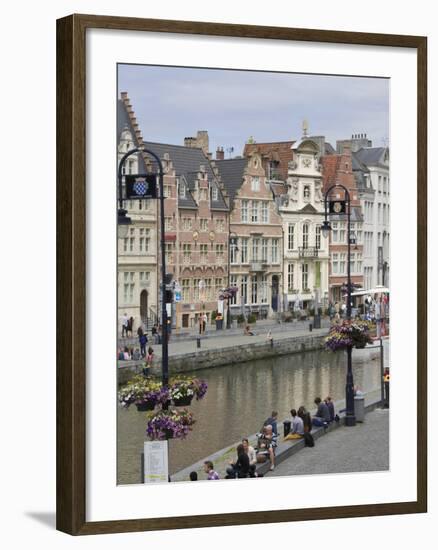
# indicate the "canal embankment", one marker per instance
pixel 228 350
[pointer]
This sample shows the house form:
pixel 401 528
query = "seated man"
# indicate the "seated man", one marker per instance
pixel 247 331
pixel 272 421
pixel 331 407
pixel 267 444
pixel 297 427
pixel 322 417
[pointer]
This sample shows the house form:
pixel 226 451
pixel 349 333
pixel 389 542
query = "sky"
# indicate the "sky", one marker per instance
pixel 171 103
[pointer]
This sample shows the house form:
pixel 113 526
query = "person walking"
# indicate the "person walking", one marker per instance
pixel 125 323
pixel 143 340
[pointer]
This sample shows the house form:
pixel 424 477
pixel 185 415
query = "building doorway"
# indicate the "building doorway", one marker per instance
pixel 274 294
pixel 144 306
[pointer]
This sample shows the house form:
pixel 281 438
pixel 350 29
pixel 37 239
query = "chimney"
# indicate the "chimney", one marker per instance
pixel 220 153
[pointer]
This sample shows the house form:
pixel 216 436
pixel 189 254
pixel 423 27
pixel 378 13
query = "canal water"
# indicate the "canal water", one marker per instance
pixel 240 397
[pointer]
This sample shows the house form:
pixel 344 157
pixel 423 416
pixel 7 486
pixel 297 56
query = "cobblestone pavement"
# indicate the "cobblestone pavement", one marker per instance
pixel 362 448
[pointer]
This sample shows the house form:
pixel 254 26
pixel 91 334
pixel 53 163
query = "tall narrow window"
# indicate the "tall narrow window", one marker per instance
pixel 291 236
pixel 265 216
pixel 264 290
pixel 255 250
pixel 290 277
pixel 305 277
pixel 185 287
pixel 255 183
pixel 305 235
pixel 318 237
pixel 233 251
pixel 265 250
pixel 244 251
pixel 244 211
pixel 254 211
pixel 253 289
pixel 274 251
pixel 244 289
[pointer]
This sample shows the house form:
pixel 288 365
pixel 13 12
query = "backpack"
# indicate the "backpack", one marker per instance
pixel 308 440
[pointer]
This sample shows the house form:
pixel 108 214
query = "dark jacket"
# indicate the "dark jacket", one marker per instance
pixel 242 465
pixel 323 412
pixel 331 409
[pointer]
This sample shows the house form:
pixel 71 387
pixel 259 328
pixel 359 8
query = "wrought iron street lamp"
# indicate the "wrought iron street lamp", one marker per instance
pixel 343 207
pixel 143 186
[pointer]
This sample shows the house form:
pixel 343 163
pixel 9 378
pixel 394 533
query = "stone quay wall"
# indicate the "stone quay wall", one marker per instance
pixel 205 359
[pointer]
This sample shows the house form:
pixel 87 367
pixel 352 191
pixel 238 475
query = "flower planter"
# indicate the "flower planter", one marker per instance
pixel 146 406
pixel 183 401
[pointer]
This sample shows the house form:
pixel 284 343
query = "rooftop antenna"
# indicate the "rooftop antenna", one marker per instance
pixel 385 141
pixel 305 127
pixel 230 151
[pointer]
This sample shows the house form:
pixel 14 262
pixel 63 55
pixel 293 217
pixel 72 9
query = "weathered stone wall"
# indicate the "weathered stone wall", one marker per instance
pixel 204 359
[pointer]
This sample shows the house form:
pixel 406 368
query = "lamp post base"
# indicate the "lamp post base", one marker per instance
pixel 350 420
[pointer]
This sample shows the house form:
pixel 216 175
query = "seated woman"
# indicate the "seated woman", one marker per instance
pixel 267 444
pixel 252 457
pixel 247 331
pixel 306 418
pixel 297 427
pixel 240 468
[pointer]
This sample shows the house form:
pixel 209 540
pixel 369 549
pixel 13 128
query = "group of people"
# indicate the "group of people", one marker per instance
pixel 135 354
pixel 243 467
pixel 248 457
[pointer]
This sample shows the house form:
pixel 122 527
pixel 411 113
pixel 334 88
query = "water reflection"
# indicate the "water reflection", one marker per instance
pixel 240 397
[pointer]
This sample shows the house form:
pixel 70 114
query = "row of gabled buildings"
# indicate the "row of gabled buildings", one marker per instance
pixel 252 222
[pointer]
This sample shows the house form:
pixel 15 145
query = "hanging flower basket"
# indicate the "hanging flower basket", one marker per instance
pixel 170 424
pixel 145 393
pixel 348 334
pixel 183 390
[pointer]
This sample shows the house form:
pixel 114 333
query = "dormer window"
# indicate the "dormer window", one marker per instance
pixel 255 183
pixel 214 194
pixel 182 191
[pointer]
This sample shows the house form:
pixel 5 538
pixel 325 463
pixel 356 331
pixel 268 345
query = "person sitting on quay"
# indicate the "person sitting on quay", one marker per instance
pixel 136 355
pixel 126 354
pixel 297 427
pixel 306 418
pixel 252 456
pixel 248 331
pixel 272 421
pixel 331 407
pixel 322 417
pixel 268 443
pixel 240 468
pixel 210 471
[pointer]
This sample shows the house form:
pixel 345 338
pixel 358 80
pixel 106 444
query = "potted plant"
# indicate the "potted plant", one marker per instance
pixel 182 390
pixel 145 393
pixel 169 424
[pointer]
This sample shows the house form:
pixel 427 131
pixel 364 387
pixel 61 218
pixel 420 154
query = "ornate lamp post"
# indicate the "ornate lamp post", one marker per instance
pixel 143 186
pixel 340 207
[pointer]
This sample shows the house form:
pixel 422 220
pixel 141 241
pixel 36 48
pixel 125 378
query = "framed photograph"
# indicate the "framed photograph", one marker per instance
pixel 241 274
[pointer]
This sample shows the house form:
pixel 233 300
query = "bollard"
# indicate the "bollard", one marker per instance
pixel 198 342
pixel 310 327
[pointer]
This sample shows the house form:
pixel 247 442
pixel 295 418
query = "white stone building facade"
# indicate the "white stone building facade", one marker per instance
pixel 305 250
